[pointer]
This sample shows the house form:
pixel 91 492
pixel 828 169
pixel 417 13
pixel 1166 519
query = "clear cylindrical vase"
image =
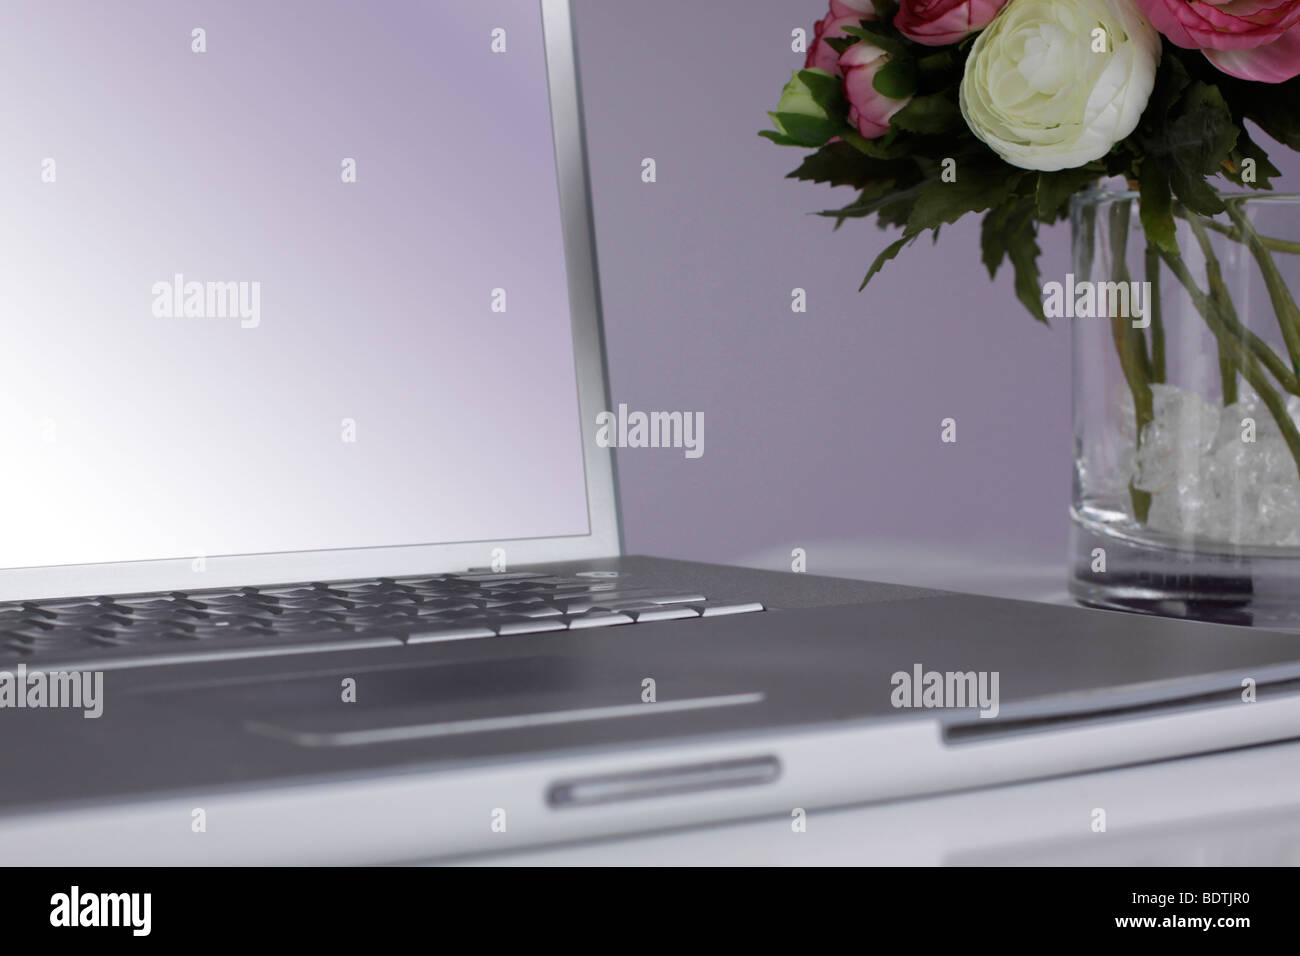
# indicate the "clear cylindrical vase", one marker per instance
pixel 1186 390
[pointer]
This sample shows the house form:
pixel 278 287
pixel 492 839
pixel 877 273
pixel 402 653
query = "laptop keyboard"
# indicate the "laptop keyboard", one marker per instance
pixel 249 621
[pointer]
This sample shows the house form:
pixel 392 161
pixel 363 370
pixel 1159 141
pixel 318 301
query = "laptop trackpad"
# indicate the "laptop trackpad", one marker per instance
pixel 360 706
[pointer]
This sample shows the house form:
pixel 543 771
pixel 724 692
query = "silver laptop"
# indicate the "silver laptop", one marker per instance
pixel 309 546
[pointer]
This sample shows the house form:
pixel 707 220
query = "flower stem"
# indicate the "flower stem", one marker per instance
pixel 1237 351
pixel 1274 245
pixel 1130 345
pixel 1158 369
pixel 1288 315
pixel 1220 294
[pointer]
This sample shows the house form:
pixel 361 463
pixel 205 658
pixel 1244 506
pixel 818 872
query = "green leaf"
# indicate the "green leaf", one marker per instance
pixel 827 91
pixel 1265 171
pixel 879 36
pixel 1022 247
pixel 1194 192
pixel 898 210
pixel 1204 134
pixel 883 148
pixel 1198 138
pixel 1276 108
pixel 1156 207
pixel 804 129
pixel 812 108
pixel 890 206
pixel 889 252
pixel 858 209
pixel 840 44
pixel 1010 231
pixel 934 113
pixel 1187 133
pixel 781 139
pixel 885 10
pixel 1171 79
pixel 937 70
pixel 995 230
pixel 1055 189
pixel 981 184
pixel 840 164
pixel 896 79
pixel 872 194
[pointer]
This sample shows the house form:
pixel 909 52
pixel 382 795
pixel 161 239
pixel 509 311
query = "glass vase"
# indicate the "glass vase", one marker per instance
pixel 1186 397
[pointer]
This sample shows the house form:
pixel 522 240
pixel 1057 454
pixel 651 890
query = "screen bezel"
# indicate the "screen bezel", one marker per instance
pixel 200 571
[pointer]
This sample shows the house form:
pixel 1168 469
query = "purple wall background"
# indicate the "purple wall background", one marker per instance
pixel 823 425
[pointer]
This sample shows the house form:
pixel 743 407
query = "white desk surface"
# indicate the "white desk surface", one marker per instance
pixel 1241 807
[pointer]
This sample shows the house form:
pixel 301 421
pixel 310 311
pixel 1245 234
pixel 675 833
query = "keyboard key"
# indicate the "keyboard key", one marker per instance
pixel 719 608
pixel 579 622
pixel 165 614
pixel 583 587
pixel 452 632
pixel 660 612
pixel 211 632
pixel 373 615
pixel 514 587
pixel 313 603
pixel 536 625
pixel 150 631
pixel 312 627
pixel 292 616
pixel 559 584
pixel 296 591
pixel 93 619
pixel 617 600
pixel 236 601
pixel 528 609
pixel 154 603
pixel 36 638
pixel 71 607
pixel 133 638
pixel 490 576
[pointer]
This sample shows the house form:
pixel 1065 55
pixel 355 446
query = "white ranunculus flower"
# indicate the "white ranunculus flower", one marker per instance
pixel 1045 90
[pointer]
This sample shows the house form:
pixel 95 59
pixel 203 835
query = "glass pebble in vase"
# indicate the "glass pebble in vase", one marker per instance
pixel 1186 406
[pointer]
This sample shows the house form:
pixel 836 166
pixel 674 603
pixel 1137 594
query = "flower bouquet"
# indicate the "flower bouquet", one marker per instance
pixel 1019 110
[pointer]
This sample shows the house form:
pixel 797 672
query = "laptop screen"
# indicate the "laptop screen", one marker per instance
pixel 280 276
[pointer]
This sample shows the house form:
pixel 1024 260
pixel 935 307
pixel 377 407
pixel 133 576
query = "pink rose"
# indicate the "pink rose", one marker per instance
pixel 941 22
pixel 1251 39
pixel 869 109
pixel 862 9
pixel 1274 62
pixel 1223 25
pixel 843 13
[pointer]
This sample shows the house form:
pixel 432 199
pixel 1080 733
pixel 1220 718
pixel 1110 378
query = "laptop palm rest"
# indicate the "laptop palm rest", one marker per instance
pixel 326 732
pixel 349 707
